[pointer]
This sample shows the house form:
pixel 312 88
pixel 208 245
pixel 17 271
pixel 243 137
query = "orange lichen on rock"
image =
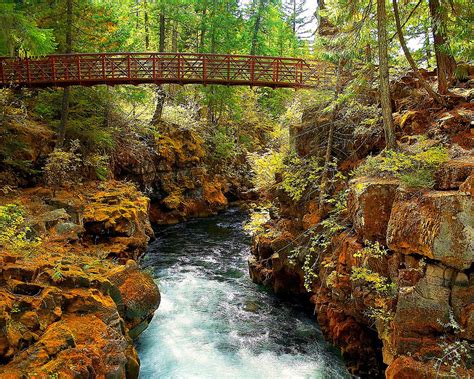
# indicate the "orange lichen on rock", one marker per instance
pixel 439 226
pixel 370 203
pixel 65 309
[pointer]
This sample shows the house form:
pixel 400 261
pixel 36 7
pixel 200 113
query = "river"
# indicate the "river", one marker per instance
pixel 213 322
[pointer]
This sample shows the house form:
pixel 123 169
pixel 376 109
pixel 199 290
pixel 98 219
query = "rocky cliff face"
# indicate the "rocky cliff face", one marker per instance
pixel 173 169
pixel 71 306
pixel 394 288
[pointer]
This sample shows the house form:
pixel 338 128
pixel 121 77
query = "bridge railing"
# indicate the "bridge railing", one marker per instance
pixel 136 68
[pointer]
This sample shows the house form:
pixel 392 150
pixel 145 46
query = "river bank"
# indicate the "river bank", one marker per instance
pixel 214 322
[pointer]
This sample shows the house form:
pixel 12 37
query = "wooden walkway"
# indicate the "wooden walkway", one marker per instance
pixel 180 68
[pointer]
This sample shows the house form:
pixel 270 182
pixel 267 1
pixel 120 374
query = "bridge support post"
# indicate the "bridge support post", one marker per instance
pixel 204 69
pixel 79 68
pixel 128 68
pixel 53 68
pixel 252 71
pixel 103 67
pixel 2 73
pixel 28 76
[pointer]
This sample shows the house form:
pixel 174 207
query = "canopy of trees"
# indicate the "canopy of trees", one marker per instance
pixel 431 34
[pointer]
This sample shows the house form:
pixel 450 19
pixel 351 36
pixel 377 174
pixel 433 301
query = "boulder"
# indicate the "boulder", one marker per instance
pixel 77 346
pixel 454 172
pixel 409 368
pixel 370 203
pixel 414 122
pixel 138 296
pixel 118 215
pixel 422 309
pixel 437 224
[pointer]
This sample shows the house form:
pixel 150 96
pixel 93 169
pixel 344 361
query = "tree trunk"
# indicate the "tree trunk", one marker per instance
pixel 444 61
pixel 384 83
pixel 427 46
pixel 67 90
pixel 174 37
pixel 294 17
pixel 256 28
pixel 146 26
pixel 160 94
pixel 203 29
pixel 160 97
pixel 332 126
pixel 411 61
pixel 162 32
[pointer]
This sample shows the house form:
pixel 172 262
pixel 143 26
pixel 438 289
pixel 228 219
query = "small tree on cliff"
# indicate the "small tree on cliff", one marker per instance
pixel 62 167
pixel 384 83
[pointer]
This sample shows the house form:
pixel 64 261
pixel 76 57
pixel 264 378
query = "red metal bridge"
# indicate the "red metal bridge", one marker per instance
pixel 181 68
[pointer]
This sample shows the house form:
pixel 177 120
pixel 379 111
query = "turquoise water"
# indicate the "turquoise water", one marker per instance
pixel 213 322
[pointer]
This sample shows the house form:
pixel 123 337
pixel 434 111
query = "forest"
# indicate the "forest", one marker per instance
pixel 244 189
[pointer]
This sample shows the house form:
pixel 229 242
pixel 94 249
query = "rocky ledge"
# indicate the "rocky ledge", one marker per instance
pixel 71 305
pixel 409 311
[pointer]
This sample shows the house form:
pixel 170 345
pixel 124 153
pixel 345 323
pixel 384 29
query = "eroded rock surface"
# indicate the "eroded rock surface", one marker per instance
pixel 172 168
pixel 66 309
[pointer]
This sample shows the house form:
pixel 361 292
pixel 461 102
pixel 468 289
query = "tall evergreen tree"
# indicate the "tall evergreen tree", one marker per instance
pixel 384 83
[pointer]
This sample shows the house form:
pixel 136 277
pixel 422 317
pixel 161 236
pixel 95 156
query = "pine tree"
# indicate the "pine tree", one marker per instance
pixel 20 34
pixel 384 83
pixel 296 13
pixel 67 89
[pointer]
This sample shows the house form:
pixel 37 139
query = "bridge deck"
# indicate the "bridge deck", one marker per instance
pixel 180 68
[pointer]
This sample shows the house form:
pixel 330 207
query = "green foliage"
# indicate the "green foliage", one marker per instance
pixel 372 250
pixel 302 177
pixel 100 165
pixel 377 251
pixel 20 32
pixel 180 115
pixel 224 144
pixel 415 168
pixel 380 309
pixel 265 167
pixel 380 314
pixel 299 175
pixel 419 178
pixel 318 239
pixel 258 218
pixel 57 275
pixel 376 281
pixel 456 351
pixel 310 274
pixel 15 235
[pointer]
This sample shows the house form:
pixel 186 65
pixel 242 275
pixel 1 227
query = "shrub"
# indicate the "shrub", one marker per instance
pixel 15 235
pixel 415 167
pixel 265 167
pixel 224 145
pixel 420 178
pixel 379 283
pixel 299 176
pixel 372 250
pixel 100 165
pixel 62 167
pixel 303 177
pixel 258 217
pixel 182 116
